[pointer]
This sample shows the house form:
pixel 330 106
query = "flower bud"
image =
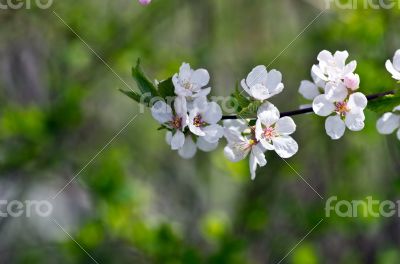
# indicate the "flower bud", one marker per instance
pixel 352 81
pixel 144 2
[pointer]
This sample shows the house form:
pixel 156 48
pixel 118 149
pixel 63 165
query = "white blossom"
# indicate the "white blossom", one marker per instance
pixel 204 118
pixel 333 68
pixel 175 120
pixel 239 146
pixel 261 84
pixel 394 67
pixel 274 132
pixel 390 122
pixel 189 83
pixel 347 112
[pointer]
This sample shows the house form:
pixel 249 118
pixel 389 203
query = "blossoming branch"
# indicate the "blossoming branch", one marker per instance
pixel 182 107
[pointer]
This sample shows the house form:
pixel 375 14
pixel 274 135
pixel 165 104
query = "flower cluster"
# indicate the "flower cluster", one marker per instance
pixel 334 93
pixel 270 132
pixel 390 121
pixel 193 121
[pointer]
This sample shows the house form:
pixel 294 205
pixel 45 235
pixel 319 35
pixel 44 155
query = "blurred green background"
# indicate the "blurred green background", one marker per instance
pixel 136 201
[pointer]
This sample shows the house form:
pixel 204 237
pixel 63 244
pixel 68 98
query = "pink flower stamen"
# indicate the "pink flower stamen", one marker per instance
pixel 341 108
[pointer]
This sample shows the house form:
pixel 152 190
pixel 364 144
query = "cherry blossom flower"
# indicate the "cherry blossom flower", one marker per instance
pixel 203 119
pixel 144 2
pixel 333 68
pixel 189 83
pixel 349 111
pixel 261 84
pixel 273 132
pixel 389 122
pixel 175 120
pixel 240 146
pixel 394 67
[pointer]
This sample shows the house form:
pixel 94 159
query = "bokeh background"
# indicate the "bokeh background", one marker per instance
pixel 139 202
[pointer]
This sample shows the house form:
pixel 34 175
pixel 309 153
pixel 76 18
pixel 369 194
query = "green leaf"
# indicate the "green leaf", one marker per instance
pixel 384 104
pixel 143 82
pixel 137 97
pixel 251 110
pixel 166 88
pixel 241 99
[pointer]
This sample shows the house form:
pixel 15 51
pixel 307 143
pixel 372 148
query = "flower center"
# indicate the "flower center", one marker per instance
pixel 269 133
pixel 198 122
pixel 176 122
pixel 187 85
pixel 341 108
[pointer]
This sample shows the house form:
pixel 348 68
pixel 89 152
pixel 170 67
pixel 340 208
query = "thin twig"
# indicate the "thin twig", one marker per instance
pixel 310 110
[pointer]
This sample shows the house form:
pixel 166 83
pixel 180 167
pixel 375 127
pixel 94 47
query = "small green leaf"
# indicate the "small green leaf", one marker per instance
pixel 143 82
pixel 166 88
pixel 251 110
pixel 137 97
pixel 241 99
pixel 384 104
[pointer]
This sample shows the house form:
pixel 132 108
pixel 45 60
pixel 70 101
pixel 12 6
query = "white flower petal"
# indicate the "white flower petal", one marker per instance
pixel 268 114
pixel 350 68
pixel 188 149
pixel 202 92
pixel 213 113
pixel 198 131
pixel 325 56
pixel 318 81
pixel 233 135
pixel 318 72
pixel 274 82
pixel 259 92
pixel 168 137
pixel 205 145
pixel 234 152
pixel 213 133
pixel 161 112
pixel 236 124
pixel 388 123
pixel 357 100
pixel 180 105
pixel 259 129
pixel 396 60
pixel 390 67
pixel 201 77
pixel 398 134
pixel 253 166
pixel 177 141
pixel 285 126
pixel 285 146
pixel 340 58
pixel 335 127
pixel 244 86
pixel 256 76
pixel 322 106
pixel 185 71
pixel 335 92
pixel 266 144
pixel 355 120
pixel 259 156
pixel 309 90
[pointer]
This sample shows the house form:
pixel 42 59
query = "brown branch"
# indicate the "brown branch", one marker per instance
pixel 310 110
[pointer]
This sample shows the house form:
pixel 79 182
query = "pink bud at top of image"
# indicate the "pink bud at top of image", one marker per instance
pixel 352 81
pixel 144 2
